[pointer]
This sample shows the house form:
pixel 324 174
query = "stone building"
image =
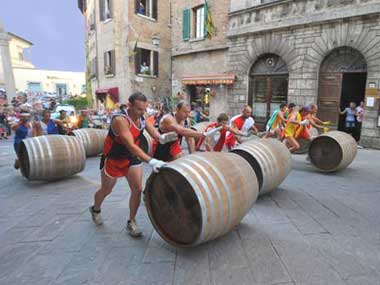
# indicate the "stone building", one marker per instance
pixel 34 81
pixel 128 48
pixel 7 84
pixel 199 59
pixel 321 51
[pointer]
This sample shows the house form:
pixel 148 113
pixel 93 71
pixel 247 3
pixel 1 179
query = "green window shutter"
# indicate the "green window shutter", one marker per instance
pixel 186 25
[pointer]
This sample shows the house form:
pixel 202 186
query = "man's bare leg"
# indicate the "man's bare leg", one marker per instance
pixel 107 184
pixel 134 178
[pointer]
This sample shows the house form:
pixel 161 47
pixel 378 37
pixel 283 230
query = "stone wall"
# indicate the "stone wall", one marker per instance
pixel 120 34
pixel 303 47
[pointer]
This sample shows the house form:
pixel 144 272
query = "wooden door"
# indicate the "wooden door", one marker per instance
pixel 330 89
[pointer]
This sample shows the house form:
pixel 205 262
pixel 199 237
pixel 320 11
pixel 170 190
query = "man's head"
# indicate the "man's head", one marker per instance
pixel 313 108
pixel 305 110
pixel 247 111
pixel 283 107
pixel 123 107
pixel 46 115
pixel 137 103
pixel 182 110
pixel 291 107
pixel 222 119
pixel 24 117
pixel 62 113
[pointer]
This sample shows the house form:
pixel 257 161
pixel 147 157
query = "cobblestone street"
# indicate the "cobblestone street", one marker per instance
pixel 315 229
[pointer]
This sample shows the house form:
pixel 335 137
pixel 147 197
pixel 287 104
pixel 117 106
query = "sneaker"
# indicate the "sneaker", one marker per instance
pixel 133 229
pixel 96 216
pixel 359 146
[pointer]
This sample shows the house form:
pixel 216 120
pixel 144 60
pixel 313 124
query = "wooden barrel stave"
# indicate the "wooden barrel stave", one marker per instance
pixel 92 139
pixel 217 197
pixel 269 158
pixel 332 151
pixel 51 157
pixel 146 143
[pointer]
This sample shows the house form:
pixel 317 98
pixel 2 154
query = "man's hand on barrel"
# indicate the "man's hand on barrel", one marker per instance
pixel 168 137
pixel 304 122
pixel 156 164
pixel 212 131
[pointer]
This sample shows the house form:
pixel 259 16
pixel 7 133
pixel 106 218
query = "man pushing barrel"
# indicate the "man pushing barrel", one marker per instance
pixel 170 151
pixel 122 157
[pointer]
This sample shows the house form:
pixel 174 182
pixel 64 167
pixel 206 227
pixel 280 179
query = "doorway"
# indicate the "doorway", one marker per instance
pixel 268 87
pixel 353 89
pixel 342 80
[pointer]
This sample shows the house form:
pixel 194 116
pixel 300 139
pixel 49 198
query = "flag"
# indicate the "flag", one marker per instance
pixel 209 25
pixel 134 51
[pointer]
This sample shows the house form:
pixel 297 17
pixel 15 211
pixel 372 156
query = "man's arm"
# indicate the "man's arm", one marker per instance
pixel 170 125
pixel 151 129
pixel 122 129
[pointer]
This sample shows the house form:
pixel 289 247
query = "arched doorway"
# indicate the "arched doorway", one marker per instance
pixel 268 86
pixel 342 79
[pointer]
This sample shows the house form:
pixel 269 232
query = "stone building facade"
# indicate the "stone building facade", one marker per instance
pixel 128 48
pixel 198 61
pixel 316 51
pixel 7 83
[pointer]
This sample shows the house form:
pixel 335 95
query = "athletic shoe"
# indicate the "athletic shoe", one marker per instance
pixel 359 146
pixel 96 216
pixel 133 229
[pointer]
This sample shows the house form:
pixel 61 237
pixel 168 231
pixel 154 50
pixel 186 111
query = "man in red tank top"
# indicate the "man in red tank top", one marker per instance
pixel 217 140
pixel 122 157
pixel 244 123
pixel 174 123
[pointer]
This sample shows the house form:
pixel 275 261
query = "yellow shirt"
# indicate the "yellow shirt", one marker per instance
pixel 292 129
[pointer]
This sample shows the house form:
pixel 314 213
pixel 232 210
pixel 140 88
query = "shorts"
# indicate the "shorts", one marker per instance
pixel 166 152
pixel 118 167
pixel 350 124
pixel 230 142
pixel 304 135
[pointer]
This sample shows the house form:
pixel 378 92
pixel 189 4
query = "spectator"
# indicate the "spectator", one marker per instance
pixel 350 113
pixel 62 128
pixel 144 69
pixel 3 125
pixel 359 120
pixel 47 126
pixel 23 129
pixel 141 9
pixel 84 120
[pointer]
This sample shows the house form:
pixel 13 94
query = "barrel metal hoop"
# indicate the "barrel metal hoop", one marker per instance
pixel 225 185
pixel 208 194
pixel 42 160
pixel 180 170
pixel 219 197
pixel 52 168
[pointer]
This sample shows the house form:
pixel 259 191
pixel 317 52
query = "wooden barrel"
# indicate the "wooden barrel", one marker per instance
pixel 269 158
pixel 92 139
pixel 51 157
pixel 332 151
pixel 146 143
pixel 305 144
pixel 197 198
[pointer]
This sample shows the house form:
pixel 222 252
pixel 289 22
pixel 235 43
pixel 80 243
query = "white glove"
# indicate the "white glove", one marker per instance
pixel 168 137
pixel 156 164
pixel 212 131
pixel 304 122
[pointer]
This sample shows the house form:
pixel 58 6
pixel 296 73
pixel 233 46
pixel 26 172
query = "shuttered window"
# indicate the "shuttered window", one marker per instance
pixel 146 62
pixel 105 10
pixel 109 63
pixel 186 24
pixel 155 63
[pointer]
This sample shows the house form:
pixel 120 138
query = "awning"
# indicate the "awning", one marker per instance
pixel 214 79
pixel 112 92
